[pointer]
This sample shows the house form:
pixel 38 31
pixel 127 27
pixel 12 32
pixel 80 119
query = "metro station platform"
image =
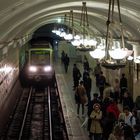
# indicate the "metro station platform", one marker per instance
pixel 65 87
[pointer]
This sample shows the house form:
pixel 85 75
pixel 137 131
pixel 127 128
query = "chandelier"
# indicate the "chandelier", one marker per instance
pixel 84 43
pixel 113 54
pixel 69 34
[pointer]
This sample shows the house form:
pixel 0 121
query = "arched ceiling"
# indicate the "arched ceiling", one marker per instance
pixel 21 17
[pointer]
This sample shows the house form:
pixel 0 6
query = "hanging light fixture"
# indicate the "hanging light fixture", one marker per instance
pixel 63 32
pixel 86 43
pixel 115 52
pixel 59 28
pixel 99 52
pixel 69 34
pixel 55 29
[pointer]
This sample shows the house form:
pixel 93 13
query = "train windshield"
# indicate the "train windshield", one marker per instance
pixel 40 57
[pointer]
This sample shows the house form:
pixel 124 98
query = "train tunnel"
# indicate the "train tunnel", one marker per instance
pixel 23 21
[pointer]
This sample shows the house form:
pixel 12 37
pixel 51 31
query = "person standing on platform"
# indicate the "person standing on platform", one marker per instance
pixel 80 97
pixel 128 100
pixel 90 109
pixel 113 108
pixel 62 56
pixel 129 119
pixel 66 62
pixel 87 85
pixel 116 89
pixel 86 64
pixel 96 128
pixel 76 76
pixel 85 73
pixel 97 71
pixel 123 86
pixel 101 84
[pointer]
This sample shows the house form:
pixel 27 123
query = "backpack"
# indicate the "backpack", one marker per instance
pixel 136 116
pixel 131 118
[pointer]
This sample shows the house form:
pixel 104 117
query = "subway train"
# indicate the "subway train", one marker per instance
pixel 39 66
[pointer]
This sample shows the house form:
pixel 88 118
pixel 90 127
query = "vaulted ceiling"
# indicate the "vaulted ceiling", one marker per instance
pixel 21 17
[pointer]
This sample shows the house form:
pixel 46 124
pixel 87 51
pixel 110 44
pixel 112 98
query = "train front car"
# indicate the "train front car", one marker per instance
pixel 40 66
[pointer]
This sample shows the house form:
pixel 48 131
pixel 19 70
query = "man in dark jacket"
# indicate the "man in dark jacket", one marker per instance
pixel 76 75
pixel 127 100
pixel 123 86
pixel 87 85
pixel 102 82
pixel 66 62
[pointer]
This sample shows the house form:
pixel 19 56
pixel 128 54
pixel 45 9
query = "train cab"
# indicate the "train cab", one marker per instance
pixel 39 68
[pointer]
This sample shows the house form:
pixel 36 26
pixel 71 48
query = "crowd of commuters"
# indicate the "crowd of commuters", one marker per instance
pixel 105 121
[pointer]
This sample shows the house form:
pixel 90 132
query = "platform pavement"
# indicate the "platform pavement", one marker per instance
pixel 65 86
pixel 73 123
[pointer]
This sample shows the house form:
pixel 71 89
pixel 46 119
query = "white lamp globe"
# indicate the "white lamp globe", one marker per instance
pixel 84 42
pixel 62 34
pixel 77 37
pixel 129 52
pixel 92 42
pixel 68 37
pixel 137 61
pixel 97 53
pixel 54 31
pixel 118 53
pixel 130 58
pixel 58 32
pixel 75 42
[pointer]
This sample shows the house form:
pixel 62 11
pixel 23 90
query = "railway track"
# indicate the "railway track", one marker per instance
pixel 38 116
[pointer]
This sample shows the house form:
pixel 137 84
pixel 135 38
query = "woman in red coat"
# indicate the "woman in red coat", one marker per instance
pixel 113 108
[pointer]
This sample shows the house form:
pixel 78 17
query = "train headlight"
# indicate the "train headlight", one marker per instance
pixel 32 69
pixel 47 68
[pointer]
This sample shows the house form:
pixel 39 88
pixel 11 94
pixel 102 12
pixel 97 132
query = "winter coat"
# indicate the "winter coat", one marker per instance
pixel 114 109
pixel 95 124
pixel 128 101
pixel 81 93
pixel 76 74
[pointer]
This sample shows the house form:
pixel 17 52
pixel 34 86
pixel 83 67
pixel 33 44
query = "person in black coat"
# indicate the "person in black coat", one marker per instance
pixel 66 62
pixel 87 85
pixel 123 86
pixel 86 65
pixel 102 82
pixel 62 56
pixel 108 125
pixel 85 73
pixel 128 101
pixel 76 75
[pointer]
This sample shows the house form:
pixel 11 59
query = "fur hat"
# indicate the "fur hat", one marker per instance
pixel 96 105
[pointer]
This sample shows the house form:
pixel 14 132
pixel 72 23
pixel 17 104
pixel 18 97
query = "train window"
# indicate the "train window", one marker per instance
pixel 40 57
